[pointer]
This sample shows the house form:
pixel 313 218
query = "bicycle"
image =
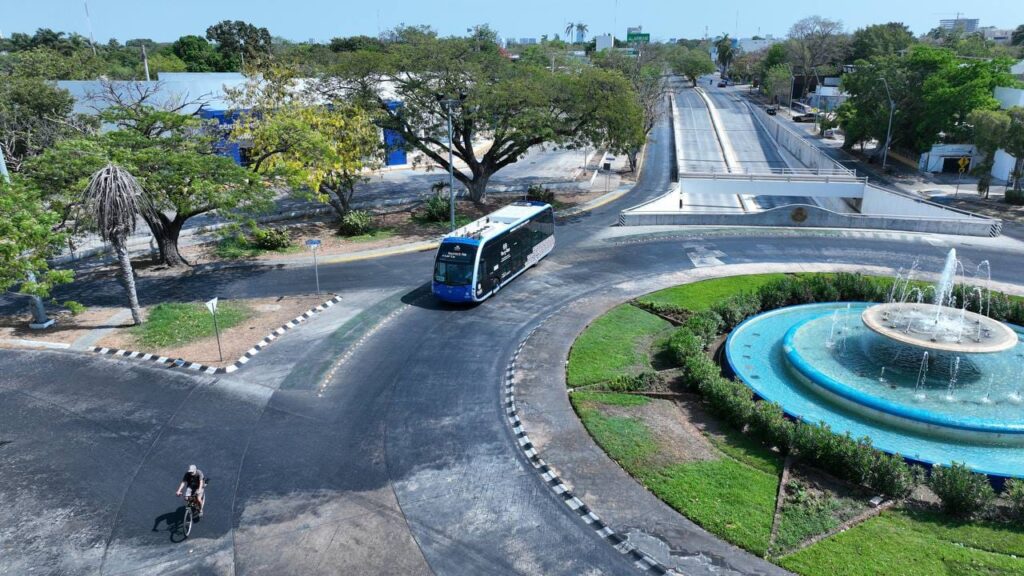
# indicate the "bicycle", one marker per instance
pixel 191 509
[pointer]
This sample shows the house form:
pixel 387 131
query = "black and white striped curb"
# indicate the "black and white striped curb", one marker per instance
pixel 642 561
pixel 242 361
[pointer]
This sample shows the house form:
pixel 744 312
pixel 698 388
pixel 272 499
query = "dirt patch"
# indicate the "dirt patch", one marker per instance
pixel 678 440
pixel 268 315
pixel 66 330
pixel 992 208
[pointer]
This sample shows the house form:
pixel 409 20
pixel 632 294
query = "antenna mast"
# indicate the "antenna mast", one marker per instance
pixel 88 20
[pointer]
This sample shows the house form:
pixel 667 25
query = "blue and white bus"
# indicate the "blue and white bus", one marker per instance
pixel 476 260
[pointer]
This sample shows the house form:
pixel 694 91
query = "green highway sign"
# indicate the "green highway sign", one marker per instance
pixel 638 37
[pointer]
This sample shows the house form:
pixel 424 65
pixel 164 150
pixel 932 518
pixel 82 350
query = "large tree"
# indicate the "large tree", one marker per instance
pixel 325 150
pixel 990 129
pixel 174 159
pixel 693 64
pixel 644 73
pixel 197 54
pixel 933 91
pixel 34 115
pixel 815 42
pixel 239 42
pixel 27 239
pixel 499 110
pixel 880 40
pixel 778 82
pixel 725 53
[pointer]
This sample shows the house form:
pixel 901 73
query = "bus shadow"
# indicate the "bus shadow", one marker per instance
pixel 422 297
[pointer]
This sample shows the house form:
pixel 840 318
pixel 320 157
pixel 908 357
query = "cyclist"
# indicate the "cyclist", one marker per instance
pixel 193 483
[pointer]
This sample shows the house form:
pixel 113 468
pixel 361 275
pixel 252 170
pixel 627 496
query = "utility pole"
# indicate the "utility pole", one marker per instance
pixel 888 132
pixel 88 20
pixel 145 61
pixel 448 104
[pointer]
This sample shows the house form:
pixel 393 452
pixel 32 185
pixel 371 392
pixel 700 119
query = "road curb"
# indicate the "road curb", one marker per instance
pixel 167 362
pixel 640 559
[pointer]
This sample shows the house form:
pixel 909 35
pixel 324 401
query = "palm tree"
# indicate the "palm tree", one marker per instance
pixel 115 199
pixel 581 31
pixel 725 53
pixel 568 30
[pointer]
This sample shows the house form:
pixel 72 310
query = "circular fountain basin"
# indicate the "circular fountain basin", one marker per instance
pixel 849 374
pixel 783 355
pixel 942 328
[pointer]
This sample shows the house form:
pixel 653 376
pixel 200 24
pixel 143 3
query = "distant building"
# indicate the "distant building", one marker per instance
pixel 997 35
pixel 748 45
pixel 635 30
pixel 604 42
pixel 527 41
pixel 966 25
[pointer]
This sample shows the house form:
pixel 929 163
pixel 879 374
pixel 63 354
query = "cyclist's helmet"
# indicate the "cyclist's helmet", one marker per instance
pixel 192 469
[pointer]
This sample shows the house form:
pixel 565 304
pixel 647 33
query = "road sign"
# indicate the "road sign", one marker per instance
pixel 212 306
pixel 964 163
pixel 643 38
pixel 313 243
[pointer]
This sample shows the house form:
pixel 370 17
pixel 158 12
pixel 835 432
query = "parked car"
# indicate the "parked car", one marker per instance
pixel 808 117
pixel 722 83
pixel 772 110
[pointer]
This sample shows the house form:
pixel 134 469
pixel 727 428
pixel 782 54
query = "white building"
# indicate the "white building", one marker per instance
pixel 604 42
pixel 1003 163
pixel 997 35
pixel 967 25
pixel 748 45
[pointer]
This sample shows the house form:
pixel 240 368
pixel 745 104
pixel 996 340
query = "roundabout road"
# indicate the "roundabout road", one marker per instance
pixel 341 450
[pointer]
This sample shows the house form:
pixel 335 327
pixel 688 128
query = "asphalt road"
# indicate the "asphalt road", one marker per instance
pixel 340 450
pixel 753 148
pixel 700 152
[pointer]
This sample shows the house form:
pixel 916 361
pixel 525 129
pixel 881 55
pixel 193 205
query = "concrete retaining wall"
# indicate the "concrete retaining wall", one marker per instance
pixel 805 216
pixel 808 154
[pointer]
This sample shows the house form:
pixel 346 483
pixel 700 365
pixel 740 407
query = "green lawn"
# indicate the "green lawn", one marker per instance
pixel 809 514
pixel 613 345
pixel 908 543
pixel 176 323
pixel 701 295
pixel 727 497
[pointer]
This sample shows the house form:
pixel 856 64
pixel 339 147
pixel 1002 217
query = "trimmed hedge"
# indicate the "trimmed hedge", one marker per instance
pixel 963 493
pixel 856 460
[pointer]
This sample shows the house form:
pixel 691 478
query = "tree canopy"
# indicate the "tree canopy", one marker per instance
pixel 880 40
pixel 27 239
pixel 238 42
pixel 501 109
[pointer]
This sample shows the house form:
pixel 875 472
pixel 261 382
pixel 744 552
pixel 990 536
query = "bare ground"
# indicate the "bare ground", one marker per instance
pixel 677 438
pixel 67 329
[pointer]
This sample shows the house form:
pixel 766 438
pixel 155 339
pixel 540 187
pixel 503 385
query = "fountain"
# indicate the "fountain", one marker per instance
pixel 920 374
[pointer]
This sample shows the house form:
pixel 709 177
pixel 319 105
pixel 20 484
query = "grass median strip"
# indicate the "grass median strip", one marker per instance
pixel 176 323
pixel 701 295
pixel 731 496
pixel 913 543
pixel 615 344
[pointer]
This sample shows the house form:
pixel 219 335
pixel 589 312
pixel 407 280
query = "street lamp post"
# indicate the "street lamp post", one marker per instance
pixel 888 132
pixel 448 103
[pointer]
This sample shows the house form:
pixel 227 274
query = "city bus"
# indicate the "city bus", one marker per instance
pixel 475 261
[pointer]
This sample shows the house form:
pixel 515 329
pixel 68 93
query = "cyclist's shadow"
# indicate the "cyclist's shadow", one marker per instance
pixel 174 524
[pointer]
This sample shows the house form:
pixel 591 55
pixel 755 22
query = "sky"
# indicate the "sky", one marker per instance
pixel 298 20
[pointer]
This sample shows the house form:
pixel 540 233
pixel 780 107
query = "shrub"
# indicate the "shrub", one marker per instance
pixel 705 325
pixel 270 239
pixel 769 422
pixel 539 193
pixel 356 223
pixel 437 209
pixel 1015 494
pixel 963 493
pixel 684 343
pixel 1014 197
pixel 634 382
pixel 893 477
pixel 735 309
pixel 677 313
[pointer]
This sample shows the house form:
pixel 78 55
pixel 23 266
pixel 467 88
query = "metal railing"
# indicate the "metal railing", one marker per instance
pixel 808 154
pixel 702 170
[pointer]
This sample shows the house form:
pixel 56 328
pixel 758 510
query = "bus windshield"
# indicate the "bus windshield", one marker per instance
pixel 454 265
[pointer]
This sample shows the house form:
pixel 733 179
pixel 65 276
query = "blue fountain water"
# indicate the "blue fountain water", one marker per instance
pixel 783 356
